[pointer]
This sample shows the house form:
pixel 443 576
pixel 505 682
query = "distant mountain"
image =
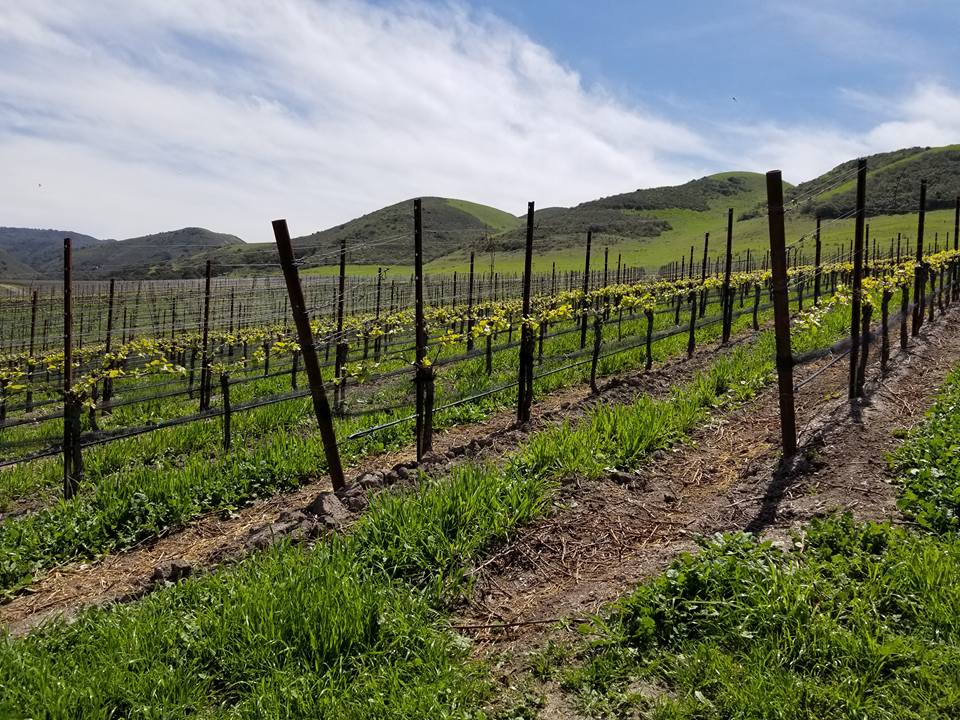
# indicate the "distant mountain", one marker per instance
pixel 26 252
pixel 40 251
pixel 172 254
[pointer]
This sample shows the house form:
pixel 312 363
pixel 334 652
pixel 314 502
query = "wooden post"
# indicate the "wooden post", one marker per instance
pixel 727 308
pixel 424 436
pixel 918 275
pixel 856 300
pixel 756 305
pixel 781 312
pixel 107 381
pixel 525 371
pixel 586 289
pixel 321 406
pixel 816 266
pixel 72 457
pixel 691 333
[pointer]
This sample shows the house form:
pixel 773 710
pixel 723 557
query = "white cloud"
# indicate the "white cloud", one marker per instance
pixel 929 115
pixel 140 116
pixel 119 118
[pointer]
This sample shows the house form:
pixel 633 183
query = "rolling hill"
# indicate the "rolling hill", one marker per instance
pixel 176 253
pixel 647 226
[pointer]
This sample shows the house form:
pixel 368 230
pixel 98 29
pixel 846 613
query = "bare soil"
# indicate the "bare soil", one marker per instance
pixel 604 538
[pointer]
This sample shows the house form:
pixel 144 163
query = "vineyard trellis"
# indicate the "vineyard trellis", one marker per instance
pixel 136 373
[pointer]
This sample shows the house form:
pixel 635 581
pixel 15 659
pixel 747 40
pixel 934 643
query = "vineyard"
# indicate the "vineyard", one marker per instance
pixel 130 410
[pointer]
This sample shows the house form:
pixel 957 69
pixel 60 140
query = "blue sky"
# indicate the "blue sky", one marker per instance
pixel 124 117
pixel 788 61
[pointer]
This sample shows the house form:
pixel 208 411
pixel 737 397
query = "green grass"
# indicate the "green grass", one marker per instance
pixel 859 622
pixel 352 628
pixel 928 464
pixel 496 219
pixel 855 621
pixel 688 227
pixel 348 629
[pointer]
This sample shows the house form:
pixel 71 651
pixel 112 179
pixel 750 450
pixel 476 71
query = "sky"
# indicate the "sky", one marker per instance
pixel 120 118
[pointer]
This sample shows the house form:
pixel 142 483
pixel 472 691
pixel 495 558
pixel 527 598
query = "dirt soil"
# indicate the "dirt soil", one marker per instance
pixel 220 538
pixel 604 538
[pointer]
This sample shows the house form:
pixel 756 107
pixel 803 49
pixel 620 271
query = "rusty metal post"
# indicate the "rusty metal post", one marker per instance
pixel 781 312
pixel 321 406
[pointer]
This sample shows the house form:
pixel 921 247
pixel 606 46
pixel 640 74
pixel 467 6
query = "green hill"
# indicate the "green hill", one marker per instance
pixel 648 227
pixel 38 252
pixel 172 254
pixel 385 236
pixel 893 183
pixel 27 253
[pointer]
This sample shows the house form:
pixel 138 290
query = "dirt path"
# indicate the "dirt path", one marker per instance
pixel 606 537
pixel 219 538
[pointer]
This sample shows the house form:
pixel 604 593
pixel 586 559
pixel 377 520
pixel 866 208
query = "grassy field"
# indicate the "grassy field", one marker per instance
pixel 688 227
pixel 354 627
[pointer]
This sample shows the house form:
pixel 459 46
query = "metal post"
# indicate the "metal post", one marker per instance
pixel 341 346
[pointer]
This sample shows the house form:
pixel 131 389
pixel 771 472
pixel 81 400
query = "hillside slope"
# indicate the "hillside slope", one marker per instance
pixel 893 183
pixel 171 254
